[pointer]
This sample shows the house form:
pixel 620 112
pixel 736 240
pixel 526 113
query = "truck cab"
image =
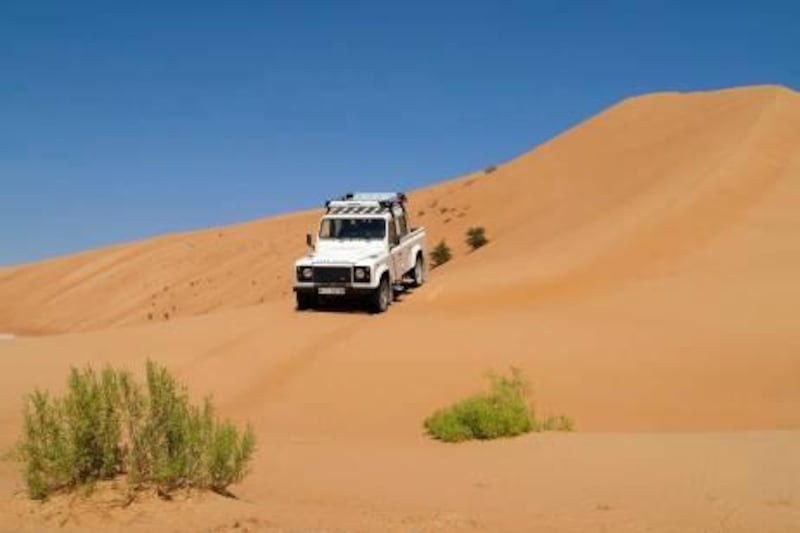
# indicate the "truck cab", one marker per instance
pixel 365 249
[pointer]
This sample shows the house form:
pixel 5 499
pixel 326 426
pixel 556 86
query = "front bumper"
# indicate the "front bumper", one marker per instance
pixel 349 290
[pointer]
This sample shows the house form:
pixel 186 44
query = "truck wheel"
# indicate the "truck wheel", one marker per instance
pixel 306 300
pixel 418 273
pixel 382 296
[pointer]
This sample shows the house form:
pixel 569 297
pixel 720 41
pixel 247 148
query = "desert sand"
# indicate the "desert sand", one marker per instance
pixel 642 271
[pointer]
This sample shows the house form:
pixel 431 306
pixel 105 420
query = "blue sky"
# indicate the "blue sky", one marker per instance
pixel 121 120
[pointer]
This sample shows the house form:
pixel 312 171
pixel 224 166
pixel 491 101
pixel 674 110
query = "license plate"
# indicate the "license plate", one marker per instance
pixel 331 290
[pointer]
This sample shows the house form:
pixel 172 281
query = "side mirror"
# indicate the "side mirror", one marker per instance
pixel 309 241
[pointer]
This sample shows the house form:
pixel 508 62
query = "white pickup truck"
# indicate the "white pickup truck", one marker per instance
pixel 365 248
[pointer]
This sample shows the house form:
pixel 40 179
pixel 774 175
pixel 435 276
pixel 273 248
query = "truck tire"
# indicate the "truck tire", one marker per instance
pixel 382 297
pixel 306 300
pixel 418 273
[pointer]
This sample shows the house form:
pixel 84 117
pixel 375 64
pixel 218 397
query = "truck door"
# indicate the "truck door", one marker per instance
pixel 404 253
pixel 394 248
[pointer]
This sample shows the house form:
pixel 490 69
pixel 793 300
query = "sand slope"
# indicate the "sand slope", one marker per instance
pixel 155 280
pixel 642 272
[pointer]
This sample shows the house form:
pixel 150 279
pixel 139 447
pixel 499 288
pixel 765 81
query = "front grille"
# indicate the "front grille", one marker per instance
pixel 331 274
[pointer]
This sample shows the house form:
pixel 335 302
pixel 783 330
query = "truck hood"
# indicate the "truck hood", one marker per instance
pixel 345 252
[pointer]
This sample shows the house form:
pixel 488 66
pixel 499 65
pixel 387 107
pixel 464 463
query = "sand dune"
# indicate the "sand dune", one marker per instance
pixel 628 194
pixel 642 271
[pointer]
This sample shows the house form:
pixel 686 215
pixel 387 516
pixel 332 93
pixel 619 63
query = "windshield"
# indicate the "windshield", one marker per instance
pixel 353 228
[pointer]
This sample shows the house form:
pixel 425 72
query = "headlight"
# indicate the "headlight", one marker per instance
pixel 304 273
pixel 361 274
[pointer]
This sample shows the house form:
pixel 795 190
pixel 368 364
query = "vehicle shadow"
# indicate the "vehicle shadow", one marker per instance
pixel 354 306
pixel 339 305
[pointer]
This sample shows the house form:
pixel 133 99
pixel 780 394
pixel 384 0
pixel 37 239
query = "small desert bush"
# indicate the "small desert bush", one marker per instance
pixel 503 411
pixel 476 237
pixel 557 423
pixel 440 254
pixel 107 424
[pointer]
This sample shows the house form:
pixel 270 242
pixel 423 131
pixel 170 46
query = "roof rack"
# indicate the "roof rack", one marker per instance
pixel 367 203
pixel 393 197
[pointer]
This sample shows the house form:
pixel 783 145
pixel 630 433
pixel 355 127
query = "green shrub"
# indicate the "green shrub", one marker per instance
pixel 557 423
pixel 476 237
pixel 74 440
pixel 108 425
pixel 503 411
pixel 441 254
